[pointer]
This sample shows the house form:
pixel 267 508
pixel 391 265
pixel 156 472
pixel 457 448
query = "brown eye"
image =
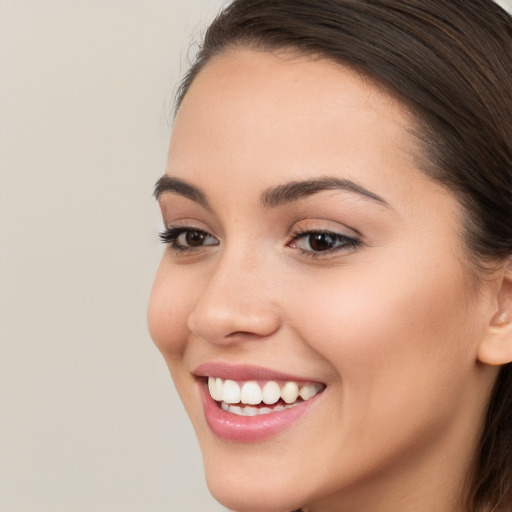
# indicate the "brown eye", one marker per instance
pixel 182 238
pixel 321 241
pixel 195 238
pixel 314 243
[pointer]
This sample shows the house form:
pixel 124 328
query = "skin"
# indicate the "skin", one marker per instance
pixel 392 326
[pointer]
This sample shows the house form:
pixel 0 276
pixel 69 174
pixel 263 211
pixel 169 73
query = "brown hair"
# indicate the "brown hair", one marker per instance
pixel 450 63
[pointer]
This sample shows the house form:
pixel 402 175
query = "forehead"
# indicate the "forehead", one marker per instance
pixel 274 117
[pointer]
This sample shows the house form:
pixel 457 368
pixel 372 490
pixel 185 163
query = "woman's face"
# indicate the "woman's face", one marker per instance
pixel 308 253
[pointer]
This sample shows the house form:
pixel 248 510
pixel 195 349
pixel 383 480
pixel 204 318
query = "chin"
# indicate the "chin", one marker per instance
pixel 246 482
pixel 239 495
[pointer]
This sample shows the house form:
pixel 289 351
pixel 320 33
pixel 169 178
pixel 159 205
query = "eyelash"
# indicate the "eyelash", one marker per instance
pixel 347 243
pixel 171 234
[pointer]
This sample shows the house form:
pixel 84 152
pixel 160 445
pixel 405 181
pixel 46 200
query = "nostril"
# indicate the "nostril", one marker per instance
pixel 244 334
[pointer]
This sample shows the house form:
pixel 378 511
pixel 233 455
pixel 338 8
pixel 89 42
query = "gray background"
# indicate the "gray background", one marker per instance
pixel 89 420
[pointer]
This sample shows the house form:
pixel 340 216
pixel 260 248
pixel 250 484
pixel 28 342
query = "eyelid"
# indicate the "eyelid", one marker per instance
pixel 348 246
pixel 323 225
pixel 171 233
pixel 350 242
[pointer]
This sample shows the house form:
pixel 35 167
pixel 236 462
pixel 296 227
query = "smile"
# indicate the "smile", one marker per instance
pixel 250 404
pixel 252 398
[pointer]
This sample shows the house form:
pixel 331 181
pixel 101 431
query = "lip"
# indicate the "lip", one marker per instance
pixel 247 372
pixel 248 429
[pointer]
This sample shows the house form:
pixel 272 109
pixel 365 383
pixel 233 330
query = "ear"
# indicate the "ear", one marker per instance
pixel 496 347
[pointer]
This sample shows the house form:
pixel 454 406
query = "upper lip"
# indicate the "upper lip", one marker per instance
pixel 246 372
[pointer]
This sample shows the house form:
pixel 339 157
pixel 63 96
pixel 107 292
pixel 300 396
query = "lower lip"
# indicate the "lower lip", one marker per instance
pixel 248 429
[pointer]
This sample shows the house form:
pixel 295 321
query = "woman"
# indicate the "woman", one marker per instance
pixel 335 302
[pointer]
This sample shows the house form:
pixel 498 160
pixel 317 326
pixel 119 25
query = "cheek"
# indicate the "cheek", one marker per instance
pixel 396 340
pixel 172 298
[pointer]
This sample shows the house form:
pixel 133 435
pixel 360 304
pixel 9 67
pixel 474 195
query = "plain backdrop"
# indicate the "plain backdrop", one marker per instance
pixel 89 419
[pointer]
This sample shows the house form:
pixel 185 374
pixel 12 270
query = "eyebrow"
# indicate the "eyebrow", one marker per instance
pixel 274 196
pixel 179 187
pixel 295 190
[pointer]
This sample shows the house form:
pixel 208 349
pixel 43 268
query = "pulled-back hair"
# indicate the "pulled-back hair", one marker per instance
pixel 450 63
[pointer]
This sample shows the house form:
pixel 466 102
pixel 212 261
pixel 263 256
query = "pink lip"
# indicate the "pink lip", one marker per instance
pixel 247 429
pixel 245 372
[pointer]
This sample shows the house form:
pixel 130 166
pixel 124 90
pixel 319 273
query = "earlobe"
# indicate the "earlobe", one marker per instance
pixel 496 347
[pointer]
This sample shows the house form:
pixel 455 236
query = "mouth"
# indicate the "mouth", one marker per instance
pixel 247 404
pixel 254 398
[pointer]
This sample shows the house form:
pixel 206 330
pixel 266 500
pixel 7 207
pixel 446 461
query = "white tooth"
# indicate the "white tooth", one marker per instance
pixel 271 392
pixel 265 410
pixel 278 408
pixel 219 388
pixel 213 387
pixel 250 411
pixel 290 392
pixel 309 390
pixel 231 392
pixel 224 406
pixel 250 393
pixel 235 409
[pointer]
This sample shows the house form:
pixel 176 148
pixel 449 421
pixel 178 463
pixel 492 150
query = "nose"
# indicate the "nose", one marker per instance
pixel 236 303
